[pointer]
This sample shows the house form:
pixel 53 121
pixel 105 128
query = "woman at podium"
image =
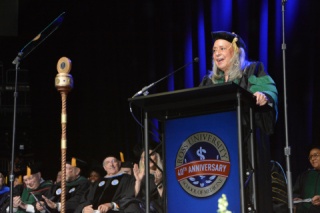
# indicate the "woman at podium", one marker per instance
pixel 230 65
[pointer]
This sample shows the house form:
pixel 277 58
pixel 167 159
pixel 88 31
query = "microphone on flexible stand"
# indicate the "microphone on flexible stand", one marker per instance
pixel 145 89
pixel 36 41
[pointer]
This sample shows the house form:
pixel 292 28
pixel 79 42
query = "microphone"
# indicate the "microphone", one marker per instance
pixel 36 41
pixel 145 89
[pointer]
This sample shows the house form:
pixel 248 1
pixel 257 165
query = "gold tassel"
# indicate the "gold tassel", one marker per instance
pixel 234 44
pixel 74 162
pixel 28 171
pixel 121 157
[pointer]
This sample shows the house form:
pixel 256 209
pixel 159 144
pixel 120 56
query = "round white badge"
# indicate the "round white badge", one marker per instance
pixel 115 182
pixel 102 183
pixel 72 190
pixel 58 191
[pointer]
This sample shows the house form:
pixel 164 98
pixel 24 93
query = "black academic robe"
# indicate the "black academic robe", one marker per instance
pixel 110 189
pixel 74 192
pixel 156 201
pixel 256 79
pixel 307 185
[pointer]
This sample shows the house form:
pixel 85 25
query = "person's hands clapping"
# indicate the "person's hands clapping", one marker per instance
pixel 103 208
pixel 40 207
pixel 157 177
pixel 316 200
pixel 49 202
pixel 138 172
pixel 88 209
pixel 17 202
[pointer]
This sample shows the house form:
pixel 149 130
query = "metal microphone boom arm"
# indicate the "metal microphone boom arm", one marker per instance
pixel 145 89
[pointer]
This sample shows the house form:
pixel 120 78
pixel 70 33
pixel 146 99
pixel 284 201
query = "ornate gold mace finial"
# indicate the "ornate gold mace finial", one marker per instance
pixel 63 83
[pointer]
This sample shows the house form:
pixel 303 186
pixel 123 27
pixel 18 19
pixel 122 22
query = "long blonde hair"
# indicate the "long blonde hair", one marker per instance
pixel 158 162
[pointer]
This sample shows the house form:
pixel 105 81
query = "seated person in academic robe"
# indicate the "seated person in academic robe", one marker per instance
pixel 307 185
pixel 4 192
pixel 76 186
pixel 96 173
pixel 33 189
pixel 110 193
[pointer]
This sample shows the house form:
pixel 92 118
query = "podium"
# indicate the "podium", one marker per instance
pixel 208 147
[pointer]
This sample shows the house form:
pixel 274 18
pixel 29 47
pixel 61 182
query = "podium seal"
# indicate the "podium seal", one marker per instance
pixel 202 164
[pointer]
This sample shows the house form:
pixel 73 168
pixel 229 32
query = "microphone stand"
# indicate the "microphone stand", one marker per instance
pixel 11 177
pixel 28 48
pixel 145 89
pixel 287 150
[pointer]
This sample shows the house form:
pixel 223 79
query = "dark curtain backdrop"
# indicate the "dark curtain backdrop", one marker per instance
pixel 118 47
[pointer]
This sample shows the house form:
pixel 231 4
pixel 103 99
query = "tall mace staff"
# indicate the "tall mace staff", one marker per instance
pixel 63 83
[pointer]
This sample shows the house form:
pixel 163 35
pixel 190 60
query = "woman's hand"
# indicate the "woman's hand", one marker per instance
pixel 138 172
pixel 261 98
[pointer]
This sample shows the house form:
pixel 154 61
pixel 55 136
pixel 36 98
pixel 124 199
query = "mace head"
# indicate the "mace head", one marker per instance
pixel 64 81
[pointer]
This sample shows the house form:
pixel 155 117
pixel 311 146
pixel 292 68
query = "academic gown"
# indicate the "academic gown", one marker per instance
pixel 26 196
pixel 307 185
pixel 156 202
pixel 110 189
pixel 74 192
pixel 255 79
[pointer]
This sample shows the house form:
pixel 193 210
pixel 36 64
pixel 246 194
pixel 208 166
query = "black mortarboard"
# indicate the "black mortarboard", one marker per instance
pixel 76 162
pixel 31 168
pixel 229 37
pixel 3 173
pixel 314 146
pixel 127 164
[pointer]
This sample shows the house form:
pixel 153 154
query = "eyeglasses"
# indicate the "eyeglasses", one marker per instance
pixel 220 49
pixel 314 155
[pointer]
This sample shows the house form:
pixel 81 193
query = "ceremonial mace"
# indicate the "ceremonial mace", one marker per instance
pixel 63 83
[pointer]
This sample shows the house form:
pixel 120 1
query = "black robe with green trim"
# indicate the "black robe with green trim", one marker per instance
pixel 27 198
pixel 255 79
pixel 74 192
pixel 307 185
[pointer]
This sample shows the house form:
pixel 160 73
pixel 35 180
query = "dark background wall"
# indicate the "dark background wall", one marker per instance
pixel 117 47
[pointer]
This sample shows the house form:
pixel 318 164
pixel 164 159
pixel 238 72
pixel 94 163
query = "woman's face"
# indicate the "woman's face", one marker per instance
pixel 314 158
pixel 153 157
pixel 222 53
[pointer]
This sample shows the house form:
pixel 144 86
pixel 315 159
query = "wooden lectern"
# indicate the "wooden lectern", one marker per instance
pixel 208 145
